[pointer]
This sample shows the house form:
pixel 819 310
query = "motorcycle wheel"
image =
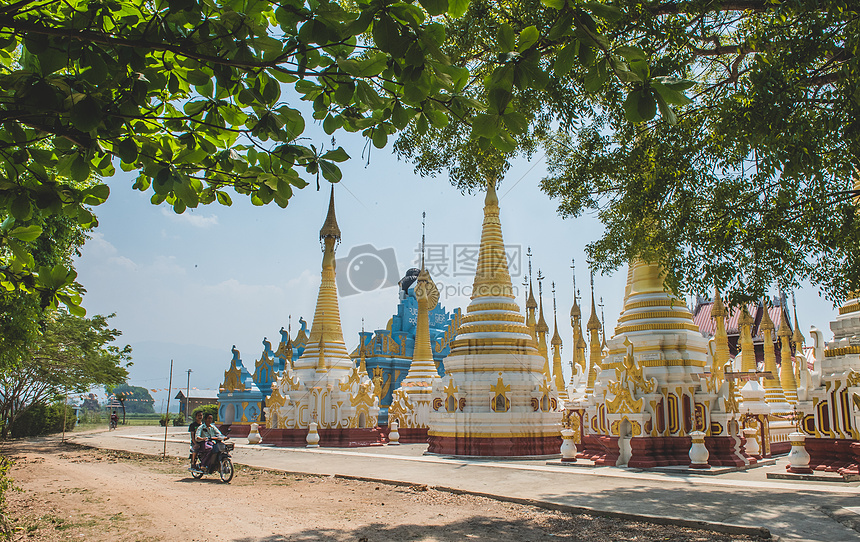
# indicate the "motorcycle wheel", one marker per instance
pixel 198 474
pixel 226 470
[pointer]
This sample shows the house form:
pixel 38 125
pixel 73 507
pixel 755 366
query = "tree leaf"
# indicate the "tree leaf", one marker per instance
pixel 505 38
pixel 26 233
pixel 528 37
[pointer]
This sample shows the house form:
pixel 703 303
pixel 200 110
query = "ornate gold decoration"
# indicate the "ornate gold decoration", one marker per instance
pixel 843 351
pixel 231 379
pixel 654 314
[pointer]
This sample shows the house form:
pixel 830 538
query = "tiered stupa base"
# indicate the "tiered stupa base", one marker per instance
pixel 650 452
pixel 834 455
pixel 411 435
pixel 329 438
pixel 519 447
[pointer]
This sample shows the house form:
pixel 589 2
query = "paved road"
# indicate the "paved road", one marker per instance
pixel 790 510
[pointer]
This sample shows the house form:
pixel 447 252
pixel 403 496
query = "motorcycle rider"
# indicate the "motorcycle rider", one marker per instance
pixel 206 435
pixel 192 430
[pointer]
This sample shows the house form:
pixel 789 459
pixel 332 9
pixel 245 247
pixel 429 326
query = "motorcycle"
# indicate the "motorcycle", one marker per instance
pixel 220 461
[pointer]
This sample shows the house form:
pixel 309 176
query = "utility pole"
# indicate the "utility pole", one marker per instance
pixel 169 391
pixel 187 390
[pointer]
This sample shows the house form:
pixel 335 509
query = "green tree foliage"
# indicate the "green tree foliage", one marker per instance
pixel 41 419
pixel 206 409
pixel 189 94
pixel 137 400
pixel 71 356
pixel 747 181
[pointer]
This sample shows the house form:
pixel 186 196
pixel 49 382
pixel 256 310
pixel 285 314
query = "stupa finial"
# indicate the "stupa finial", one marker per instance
pixel 492 278
pixel 330 228
pixel 423 217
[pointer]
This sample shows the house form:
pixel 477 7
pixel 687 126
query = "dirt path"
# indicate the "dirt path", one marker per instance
pixel 75 493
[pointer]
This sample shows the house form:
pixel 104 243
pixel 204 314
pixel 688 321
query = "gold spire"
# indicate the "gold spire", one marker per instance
pixel 745 322
pixel 786 371
pixel 326 338
pixel 721 352
pixel 772 391
pixel 542 326
pixel 593 328
pixel 491 277
pixel 557 374
pixel 532 302
pixel 542 329
pixel 362 365
pixel 423 368
pixel 329 228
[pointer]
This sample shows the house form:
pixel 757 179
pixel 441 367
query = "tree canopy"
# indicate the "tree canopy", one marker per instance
pixel 189 94
pixel 135 399
pixel 71 356
pixel 747 182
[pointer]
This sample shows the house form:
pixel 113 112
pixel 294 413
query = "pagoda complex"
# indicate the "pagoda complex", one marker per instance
pixel 495 398
pixel 323 385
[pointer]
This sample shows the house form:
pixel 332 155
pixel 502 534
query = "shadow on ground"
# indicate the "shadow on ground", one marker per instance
pixel 554 527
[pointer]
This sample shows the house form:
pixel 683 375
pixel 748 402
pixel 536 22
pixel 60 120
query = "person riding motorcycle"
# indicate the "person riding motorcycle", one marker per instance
pixel 192 430
pixel 207 435
pixel 114 419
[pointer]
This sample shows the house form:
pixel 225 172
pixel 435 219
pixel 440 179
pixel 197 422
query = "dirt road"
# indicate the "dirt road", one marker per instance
pixel 75 493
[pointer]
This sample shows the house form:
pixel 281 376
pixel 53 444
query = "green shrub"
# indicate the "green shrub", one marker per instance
pixel 206 409
pixel 42 419
pixel 6 485
pixel 164 420
pixel 90 417
pixel 178 420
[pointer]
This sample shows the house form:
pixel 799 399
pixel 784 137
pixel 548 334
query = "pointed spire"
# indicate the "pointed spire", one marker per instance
pixel 593 321
pixel 329 228
pixel 575 311
pixel 531 303
pixel 326 337
pixel 745 323
pixel 786 370
pixel 492 278
pixel 595 357
pixel 797 338
pixel 423 216
pixel 721 338
pixel 542 326
pixel 772 392
pixel 556 338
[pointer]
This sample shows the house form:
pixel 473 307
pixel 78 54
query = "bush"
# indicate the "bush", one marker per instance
pixel 90 417
pixel 164 420
pixel 41 419
pixel 178 420
pixel 206 409
pixel 6 485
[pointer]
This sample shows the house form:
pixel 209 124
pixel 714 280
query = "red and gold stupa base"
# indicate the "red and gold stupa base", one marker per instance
pixel 495 446
pixel 329 438
pixel 834 455
pixel 650 452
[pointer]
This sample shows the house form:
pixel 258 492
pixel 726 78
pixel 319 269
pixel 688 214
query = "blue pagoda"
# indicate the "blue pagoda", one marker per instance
pixel 388 352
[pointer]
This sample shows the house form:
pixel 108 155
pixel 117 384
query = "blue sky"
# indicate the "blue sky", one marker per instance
pixel 188 287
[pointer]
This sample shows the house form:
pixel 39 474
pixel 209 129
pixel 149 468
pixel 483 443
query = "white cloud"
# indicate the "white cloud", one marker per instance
pixel 189 217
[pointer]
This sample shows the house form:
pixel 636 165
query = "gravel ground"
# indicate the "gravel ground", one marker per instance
pixel 75 493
